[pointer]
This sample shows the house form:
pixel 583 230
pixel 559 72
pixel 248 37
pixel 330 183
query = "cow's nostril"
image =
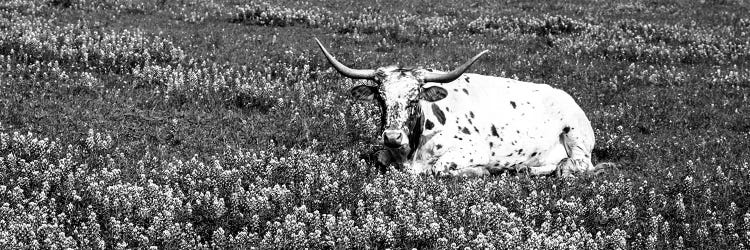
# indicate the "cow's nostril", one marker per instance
pixel 392 139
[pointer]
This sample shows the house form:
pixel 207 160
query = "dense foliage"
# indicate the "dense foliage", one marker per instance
pixel 216 124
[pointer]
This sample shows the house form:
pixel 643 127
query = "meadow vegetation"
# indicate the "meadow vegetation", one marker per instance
pixel 202 124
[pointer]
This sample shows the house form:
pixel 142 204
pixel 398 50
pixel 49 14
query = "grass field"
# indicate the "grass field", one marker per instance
pixel 200 124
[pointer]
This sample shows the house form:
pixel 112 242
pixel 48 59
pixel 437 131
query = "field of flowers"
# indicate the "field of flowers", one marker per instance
pixel 211 124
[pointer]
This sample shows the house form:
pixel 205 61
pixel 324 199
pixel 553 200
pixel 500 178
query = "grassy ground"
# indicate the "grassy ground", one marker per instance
pixel 219 124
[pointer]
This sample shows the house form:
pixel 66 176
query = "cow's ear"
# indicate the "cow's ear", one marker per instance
pixel 433 94
pixel 364 92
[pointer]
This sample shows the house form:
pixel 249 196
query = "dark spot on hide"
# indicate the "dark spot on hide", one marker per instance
pixel 492 144
pixel 494 131
pixel 467 79
pixel 465 91
pixel 509 155
pixel 566 130
pixel 512 103
pixel 428 124
pixel 453 166
pixel 466 131
pixel 438 113
pixel 471 114
pixel 533 154
pixel 438 146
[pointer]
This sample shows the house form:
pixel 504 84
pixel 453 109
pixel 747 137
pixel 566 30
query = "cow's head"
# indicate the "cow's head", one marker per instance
pixel 398 92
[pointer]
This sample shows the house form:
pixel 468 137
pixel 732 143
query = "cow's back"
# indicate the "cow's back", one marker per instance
pixel 497 121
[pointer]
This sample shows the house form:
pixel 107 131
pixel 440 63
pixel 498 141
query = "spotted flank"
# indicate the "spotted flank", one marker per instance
pixel 465 124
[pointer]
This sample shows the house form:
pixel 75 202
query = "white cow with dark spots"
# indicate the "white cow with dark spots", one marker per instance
pixel 470 124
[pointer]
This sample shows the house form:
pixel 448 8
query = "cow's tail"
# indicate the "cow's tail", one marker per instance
pixel 602 167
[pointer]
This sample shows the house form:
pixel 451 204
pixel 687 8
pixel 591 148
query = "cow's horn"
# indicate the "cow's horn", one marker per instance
pixel 450 76
pixel 344 70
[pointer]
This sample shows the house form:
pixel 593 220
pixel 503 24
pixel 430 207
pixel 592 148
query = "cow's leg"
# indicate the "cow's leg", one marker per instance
pixel 579 155
pixel 460 163
pixel 546 162
pixel 541 170
pixel 474 171
pixel 568 167
pixel 418 167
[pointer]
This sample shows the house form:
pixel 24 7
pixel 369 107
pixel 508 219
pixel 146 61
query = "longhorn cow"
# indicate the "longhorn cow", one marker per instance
pixel 466 124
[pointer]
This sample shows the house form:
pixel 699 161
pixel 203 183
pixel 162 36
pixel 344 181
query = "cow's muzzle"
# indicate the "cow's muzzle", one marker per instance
pixel 394 138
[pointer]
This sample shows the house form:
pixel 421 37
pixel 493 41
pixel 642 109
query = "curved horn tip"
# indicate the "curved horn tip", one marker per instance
pixel 450 76
pixel 482 53
pixel 318 41
pixel 320 45
pixel 343 69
